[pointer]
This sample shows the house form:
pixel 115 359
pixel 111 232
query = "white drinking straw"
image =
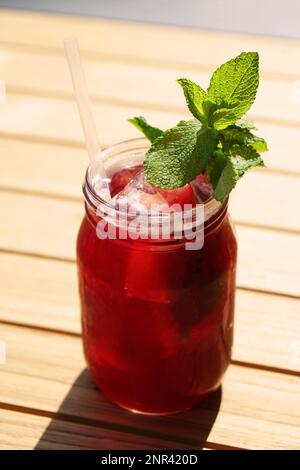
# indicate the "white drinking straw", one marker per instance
pixel 85 112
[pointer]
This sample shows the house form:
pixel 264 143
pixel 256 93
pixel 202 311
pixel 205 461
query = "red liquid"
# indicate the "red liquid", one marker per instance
pixel 157 322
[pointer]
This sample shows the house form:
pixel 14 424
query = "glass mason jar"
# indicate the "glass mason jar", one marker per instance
pixel 157 319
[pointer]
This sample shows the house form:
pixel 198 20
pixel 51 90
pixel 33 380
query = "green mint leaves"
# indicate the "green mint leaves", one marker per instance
pixel 172 159
pixel 142 125
pixel 231 92
pixel 233 88
pixel 194 96
pixel 225 170
pixel 179 154
pixel 237 135
pixel 219 140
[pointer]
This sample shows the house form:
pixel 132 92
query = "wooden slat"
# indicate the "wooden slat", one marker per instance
pixel 267 330
pixel 268 260
pixel 258 409
pixel 29 116
pixel 282 143
pixel 39 225
pixel 44 293
pixel 23 431
pixel 281 157
pixel 36 167
pixel 39 292
pixel 130 83
pixel 266 199
pixel 261 197
pixel 57 119
pixel 161 45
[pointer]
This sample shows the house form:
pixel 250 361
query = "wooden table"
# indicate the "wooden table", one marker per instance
pixel 47 398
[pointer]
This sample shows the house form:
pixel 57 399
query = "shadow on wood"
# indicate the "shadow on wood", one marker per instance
pixel 87 420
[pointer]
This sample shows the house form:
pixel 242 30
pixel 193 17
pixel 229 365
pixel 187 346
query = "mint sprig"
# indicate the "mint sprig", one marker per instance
pixel 219 140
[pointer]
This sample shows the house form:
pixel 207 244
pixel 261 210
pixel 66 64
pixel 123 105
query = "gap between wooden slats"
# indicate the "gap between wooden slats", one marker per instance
pixel 24 431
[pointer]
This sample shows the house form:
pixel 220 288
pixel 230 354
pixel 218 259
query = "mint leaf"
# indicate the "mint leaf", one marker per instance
pixel 245 123
pixel 205 145
pixel 233 135
pixel 178 155
pixel 238 135
pixel 215 166
pixel 142 125
pixel 234 83
pixel 214 111
pixel 221 114
pixel 245 157
pixel 241 158
pixel 227 181
pixel 194 96
pixel 258 143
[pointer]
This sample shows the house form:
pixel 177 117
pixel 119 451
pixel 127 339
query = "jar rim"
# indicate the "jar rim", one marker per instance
pixel 94 199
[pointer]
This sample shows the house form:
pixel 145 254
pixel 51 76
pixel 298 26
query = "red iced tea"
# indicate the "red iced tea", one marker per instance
pixel 157 319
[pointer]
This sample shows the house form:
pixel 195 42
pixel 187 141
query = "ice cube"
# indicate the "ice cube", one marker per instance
pixel 102 189
pixel 121 178
pixel 139 196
